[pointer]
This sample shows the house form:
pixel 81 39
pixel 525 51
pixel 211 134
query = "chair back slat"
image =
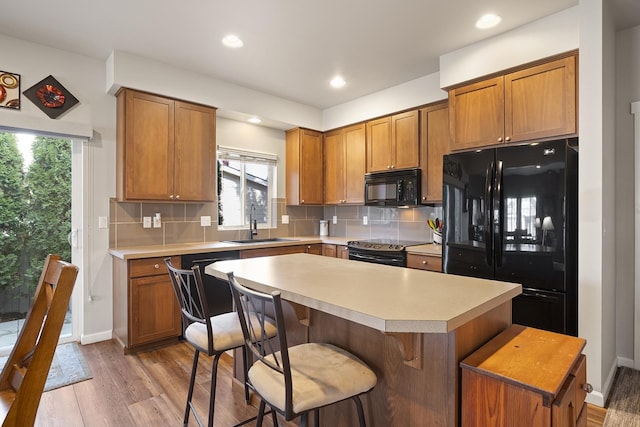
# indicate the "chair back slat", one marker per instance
pixel 189 290
pixel 251 306
pixel 25 373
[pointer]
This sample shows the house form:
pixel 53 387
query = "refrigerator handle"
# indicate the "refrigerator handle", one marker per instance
pixel 488 219
pixel 498 209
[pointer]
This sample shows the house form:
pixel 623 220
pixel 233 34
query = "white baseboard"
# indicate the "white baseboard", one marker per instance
pixel 97 337
pixel 599 398
pixel 626 362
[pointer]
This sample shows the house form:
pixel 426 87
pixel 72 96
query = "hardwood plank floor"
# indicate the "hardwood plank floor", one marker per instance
pixel 150 389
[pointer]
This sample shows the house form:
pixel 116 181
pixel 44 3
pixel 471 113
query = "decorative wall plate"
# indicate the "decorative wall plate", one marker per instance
pixel 51 97
pixel 9 90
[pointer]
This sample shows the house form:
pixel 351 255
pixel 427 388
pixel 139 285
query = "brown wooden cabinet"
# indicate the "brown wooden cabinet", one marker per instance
pixel 344 165
pixel 532 103
pixel 304 173
pixel 166 149
pixel 434 143
pixel 393 142
pixel 146 311
pixel 424 262
pixel 335 251
pixel 315 249
pixel 525 374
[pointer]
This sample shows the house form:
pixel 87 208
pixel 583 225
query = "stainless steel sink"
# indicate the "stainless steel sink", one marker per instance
pixel 266 240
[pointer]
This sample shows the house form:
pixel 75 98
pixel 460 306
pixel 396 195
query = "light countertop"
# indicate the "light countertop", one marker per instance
pixel 386 298
pixel 137 252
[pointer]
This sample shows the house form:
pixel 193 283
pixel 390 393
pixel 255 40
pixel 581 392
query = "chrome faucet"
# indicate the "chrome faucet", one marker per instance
pixel 253 230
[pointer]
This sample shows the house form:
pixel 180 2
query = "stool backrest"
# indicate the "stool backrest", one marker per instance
pixel 188 287
pixel 251 306
pixel 24 376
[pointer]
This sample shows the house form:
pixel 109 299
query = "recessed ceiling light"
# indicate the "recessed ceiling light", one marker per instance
pixel 232 41
pixel 255 120
pixel 337 82
pixel 489 20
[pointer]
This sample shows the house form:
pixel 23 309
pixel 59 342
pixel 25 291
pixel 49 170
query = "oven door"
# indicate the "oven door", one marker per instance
pixel 398 259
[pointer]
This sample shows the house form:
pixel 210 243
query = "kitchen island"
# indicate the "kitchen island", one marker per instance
pixel 412 327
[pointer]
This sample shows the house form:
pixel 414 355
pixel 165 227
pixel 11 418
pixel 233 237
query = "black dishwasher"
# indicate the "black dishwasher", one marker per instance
pixel 216 290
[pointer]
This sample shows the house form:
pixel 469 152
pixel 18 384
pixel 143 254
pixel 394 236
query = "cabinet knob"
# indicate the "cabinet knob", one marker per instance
pixel 177 196
pixel 500 139
pixel 302 201
pixel 587 387
pixel 424 197
pixel 156 266
pixel 424 262
pixel 507 138
pixel 171 196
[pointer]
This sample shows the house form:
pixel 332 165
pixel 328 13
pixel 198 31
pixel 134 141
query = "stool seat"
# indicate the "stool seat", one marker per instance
pixel 226 331
pixel 321 374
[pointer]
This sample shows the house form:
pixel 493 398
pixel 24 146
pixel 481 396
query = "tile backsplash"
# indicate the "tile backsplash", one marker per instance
pixel 181 223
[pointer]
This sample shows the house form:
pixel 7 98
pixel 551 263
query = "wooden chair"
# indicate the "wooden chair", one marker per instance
pixel 25 374
pixel 211 335
pixel 300 379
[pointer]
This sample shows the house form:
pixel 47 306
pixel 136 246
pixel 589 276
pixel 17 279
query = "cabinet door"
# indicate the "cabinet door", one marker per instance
pixel 355 163
pixel 541 101
pixel 334 168
pixel 195 152
pixel 476 114
pixel 342 252
pixel 154 311
pixel 148 146
pixel 379 145
pixel 405 140
pixel 311 168
pixel 329 250
pixel 434 143
pixel 564 412
pixel 315 249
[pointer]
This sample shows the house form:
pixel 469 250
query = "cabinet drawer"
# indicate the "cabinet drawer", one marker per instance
pixel 150 266
pixel 579 372
pixel 424 262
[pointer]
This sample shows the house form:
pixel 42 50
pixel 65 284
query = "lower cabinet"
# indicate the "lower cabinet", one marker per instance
pixel 146 310
pixel 335 251
pixel 424 262
pixel 315 249
pixel 526 375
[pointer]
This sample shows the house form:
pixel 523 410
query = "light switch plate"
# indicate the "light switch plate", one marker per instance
pixel 285 219
pixel 102 222
pixel 146 222
pixel 205 221
pixel 365 220
pixel 335 219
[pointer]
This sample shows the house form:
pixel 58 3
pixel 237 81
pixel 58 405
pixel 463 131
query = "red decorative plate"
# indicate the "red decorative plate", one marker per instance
pixel 50 96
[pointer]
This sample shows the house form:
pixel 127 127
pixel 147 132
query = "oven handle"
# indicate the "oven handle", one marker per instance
pixel 374 258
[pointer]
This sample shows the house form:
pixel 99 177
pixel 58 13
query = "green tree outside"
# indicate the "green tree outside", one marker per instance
pixel 13 205
pixel 35 216
pixel 48 218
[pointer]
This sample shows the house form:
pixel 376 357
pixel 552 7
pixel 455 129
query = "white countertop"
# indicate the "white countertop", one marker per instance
pixel 386 298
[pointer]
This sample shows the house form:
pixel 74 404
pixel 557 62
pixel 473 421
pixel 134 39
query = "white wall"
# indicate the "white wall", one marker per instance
pixel 95 115
pixel 627 91
pixel 545 37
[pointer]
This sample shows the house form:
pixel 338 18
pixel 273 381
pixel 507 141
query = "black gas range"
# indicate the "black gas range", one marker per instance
pixel 381 251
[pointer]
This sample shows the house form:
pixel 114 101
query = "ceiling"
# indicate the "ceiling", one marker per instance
pixel 292 48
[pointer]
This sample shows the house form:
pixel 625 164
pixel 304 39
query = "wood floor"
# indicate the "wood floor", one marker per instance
pixel 150 388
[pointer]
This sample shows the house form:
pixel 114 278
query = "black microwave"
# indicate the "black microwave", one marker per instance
pixel 393 188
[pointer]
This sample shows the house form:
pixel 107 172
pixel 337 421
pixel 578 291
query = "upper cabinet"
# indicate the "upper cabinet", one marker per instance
pixel 166 149
pixel 533 103
pixel 344 165
pixel 304 167
pixel 393 142
pixel 434 143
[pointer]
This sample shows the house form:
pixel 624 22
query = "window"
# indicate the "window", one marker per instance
pixel 245 180
pixel 520 218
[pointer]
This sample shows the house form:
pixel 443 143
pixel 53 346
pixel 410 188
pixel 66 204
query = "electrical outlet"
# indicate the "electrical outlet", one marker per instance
pixel 365 220
pixel 205 221
pixel 335 219
pixel 146 222
pixel 285 219
pixel 157 221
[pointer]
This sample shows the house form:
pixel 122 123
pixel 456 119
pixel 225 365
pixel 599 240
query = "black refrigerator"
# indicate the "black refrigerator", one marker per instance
pixel 510 214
